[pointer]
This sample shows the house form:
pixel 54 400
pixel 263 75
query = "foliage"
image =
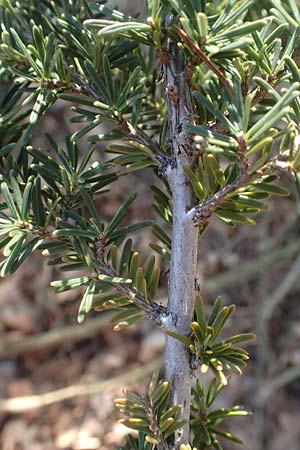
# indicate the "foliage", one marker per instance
pixel 204 421
pixel 241 66
pixel 155 421
pixel 150 414
pixel 205 351
pixel 138 443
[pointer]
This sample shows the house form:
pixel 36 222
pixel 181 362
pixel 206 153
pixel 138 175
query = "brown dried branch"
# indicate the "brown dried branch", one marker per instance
pixel 27 403
pixel 202 56
pixel 15 345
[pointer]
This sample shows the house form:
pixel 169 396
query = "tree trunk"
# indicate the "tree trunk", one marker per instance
pixel 184 236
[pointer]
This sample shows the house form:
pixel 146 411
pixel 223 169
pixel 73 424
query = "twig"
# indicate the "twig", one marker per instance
pixel 199 52
pixel 152 310
pixel 154 425
pixel 27 403
pixel 160 158
pixel 131 132
pixel 286 377
pixel 262 350
pixel 200 213
pixel 250 269
pixel 13 346
pixel 285 286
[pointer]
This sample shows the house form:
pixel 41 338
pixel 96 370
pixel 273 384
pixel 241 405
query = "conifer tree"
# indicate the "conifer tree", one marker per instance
pixel 203 93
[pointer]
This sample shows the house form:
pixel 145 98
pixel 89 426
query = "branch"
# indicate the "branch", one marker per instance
pixel 132 133
pixel 85 88
pixel 183 267
pixel 152 310
pixel 160 158
pixel 200 213
pixel 154 424
pixel 202 56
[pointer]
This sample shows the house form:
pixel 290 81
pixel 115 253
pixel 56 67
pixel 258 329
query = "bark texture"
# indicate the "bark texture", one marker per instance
pixel 184 235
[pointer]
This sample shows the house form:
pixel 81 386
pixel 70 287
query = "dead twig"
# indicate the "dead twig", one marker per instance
pixel 283 289
pixel 286 377
pixel 13 346
pixel 23 404
pixel 202 56
pixel 250 269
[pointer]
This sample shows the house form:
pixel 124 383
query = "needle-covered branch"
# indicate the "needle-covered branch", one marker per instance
pixel 153 311
pixel 202 212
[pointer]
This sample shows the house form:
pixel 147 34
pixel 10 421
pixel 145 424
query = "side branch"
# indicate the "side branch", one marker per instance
pixel 202 56
pixel 200 213
pixel 160 158
pixel 153 311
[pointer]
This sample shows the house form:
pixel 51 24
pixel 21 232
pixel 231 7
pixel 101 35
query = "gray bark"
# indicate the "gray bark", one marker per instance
pixel 184 237
pixel 181 298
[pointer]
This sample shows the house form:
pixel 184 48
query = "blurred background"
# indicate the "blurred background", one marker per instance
pixel 58 379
